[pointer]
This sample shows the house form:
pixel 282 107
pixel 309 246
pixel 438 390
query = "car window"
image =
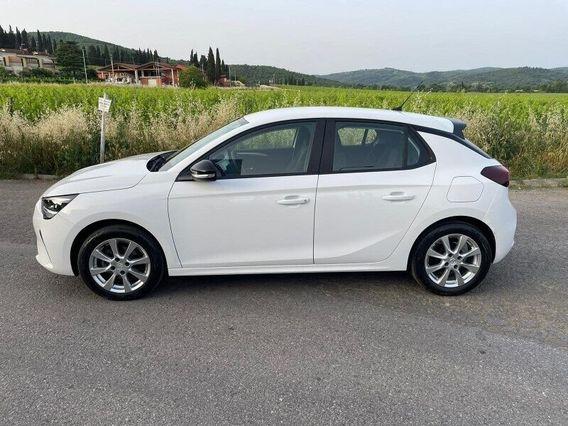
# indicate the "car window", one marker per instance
pixel 374 147
pixel 184 153
pixel 277 150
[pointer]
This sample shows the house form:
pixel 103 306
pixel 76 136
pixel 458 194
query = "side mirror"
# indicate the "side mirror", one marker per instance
pixel 204 170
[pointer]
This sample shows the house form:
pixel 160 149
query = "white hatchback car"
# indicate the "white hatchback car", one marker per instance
pixel 319 189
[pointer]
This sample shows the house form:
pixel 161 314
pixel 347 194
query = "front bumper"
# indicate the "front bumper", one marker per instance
pixel 53 249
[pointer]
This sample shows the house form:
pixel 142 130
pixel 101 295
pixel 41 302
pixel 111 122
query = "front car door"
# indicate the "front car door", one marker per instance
pixel 260 210
pixel 375 178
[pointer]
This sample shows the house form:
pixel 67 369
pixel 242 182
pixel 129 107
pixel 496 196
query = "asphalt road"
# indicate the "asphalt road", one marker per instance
pixel 322 348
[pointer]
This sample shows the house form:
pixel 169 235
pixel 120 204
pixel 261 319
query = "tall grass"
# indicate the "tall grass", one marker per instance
pixel 54 129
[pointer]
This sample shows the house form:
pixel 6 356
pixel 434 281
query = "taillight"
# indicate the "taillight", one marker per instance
pixel 498 174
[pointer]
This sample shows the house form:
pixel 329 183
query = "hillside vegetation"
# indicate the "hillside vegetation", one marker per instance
pixel 54 129
pixel 263 74
pixel 482 78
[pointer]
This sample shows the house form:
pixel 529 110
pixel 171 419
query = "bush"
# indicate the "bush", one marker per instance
pixel 37 73
pixel 192 77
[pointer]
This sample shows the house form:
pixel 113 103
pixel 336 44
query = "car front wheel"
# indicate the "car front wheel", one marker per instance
pixel 452 259
pixel 121 262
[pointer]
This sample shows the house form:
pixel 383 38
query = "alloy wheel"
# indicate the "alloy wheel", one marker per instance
pixel 453 260
pixel 119 265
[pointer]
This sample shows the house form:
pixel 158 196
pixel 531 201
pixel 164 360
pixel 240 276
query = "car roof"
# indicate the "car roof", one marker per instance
pixel 297 113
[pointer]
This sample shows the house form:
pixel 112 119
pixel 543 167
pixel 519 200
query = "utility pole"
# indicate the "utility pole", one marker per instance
pixel 112 68
pixel 84 64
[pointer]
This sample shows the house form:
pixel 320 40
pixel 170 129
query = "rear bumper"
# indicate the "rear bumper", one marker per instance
pixel 502 219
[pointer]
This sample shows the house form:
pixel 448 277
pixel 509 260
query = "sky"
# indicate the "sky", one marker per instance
pixel 318 36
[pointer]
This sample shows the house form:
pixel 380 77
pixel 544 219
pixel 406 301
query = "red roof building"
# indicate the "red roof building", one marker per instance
pixel 151 74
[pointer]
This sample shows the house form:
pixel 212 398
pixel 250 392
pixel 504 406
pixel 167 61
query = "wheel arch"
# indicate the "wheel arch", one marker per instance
pixel 95 226
pixel 482 226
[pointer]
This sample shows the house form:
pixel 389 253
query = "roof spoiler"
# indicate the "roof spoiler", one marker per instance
pixel 459 125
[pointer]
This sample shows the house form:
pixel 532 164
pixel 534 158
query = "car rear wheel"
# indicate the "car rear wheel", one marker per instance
pixel 121 262
pixel 452 259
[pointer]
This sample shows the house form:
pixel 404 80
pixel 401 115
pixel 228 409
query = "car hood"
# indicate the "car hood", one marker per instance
pixel 119 174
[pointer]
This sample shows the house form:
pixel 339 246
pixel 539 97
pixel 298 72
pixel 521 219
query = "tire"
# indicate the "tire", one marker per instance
pixel 430 267
pixel 132 280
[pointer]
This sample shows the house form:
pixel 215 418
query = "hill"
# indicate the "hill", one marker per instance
pixel 99 51
pixel 264 74
pixel 79 39
pixel 488 78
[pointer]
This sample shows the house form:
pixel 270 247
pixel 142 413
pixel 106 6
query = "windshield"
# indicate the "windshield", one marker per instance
pixel 184 153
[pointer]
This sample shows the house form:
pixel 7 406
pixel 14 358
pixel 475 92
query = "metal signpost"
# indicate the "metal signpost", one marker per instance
pixel 104 107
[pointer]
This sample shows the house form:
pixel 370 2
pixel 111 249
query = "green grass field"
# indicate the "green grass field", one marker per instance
pixel 54 128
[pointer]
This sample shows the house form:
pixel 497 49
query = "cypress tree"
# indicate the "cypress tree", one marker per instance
pixel 47 44
pixel 40 46
pixel 25 39
pixel 33 46
pixel 2 36
pixel 218 70
pixel 18 41
pixel 210 70
pixel 106 55
pixel 10 38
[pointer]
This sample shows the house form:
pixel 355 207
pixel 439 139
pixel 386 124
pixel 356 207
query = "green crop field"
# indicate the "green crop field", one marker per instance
pixel 54 129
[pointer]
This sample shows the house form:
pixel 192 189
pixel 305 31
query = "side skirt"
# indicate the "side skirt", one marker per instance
pixel 282 269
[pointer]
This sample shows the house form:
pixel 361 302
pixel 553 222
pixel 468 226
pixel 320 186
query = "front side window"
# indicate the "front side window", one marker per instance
pixel 374 147
pixel 194 147
pixel 278 150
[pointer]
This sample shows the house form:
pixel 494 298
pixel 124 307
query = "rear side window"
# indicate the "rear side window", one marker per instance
pixel 375 147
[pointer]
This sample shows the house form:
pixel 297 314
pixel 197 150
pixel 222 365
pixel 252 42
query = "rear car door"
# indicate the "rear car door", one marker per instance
pixel 260 210
pixel 374 179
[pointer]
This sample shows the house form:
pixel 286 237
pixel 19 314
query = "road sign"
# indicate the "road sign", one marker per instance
pixel 104 104
pixel 104 107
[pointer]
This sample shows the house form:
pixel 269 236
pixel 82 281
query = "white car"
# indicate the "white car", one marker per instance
pixel 319 189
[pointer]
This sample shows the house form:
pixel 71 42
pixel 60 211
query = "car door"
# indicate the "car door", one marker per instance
pixel 260 210
pixel 375 178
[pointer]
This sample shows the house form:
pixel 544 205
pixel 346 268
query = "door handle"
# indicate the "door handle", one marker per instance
pixel 398 196
pixel 293 200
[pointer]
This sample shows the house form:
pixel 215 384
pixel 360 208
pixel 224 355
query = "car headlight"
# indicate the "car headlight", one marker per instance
pixel 50 206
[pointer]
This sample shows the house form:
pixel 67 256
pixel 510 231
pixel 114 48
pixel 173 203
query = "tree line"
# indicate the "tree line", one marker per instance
pixel 212 65
pixel 23 40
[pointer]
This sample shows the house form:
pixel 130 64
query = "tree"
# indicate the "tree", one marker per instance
pixel 33 45
pixel 40 46
pixel 69 58
pixel 25 39
pixel 218 69
pixel 192 77
pixel 106 54
pixel 18 41
pixel 10 38
pixel 46 43
pixel 210 70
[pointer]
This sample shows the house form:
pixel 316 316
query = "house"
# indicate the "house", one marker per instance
pixel 16 61
pixel 151 74
pixel 223 81
pixel 118 73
